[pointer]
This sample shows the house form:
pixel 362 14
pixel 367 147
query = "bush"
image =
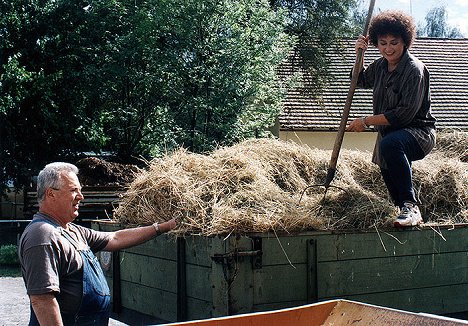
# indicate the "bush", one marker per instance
pixel 9 255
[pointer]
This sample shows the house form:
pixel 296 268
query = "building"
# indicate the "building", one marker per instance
pixel 315 120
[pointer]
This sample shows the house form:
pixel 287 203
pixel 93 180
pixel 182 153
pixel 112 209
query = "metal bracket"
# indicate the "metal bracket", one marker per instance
pixel 257 261
pixel 312 276
pixel 225 258
pixel 233 256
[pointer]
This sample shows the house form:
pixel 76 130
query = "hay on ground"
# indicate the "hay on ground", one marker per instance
pixel 258 186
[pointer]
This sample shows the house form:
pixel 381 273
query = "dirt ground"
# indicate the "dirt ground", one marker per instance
pixel 98 172
pixel 14 306
pixel 14 303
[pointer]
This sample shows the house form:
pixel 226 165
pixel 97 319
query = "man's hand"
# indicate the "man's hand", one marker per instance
pixel 167 226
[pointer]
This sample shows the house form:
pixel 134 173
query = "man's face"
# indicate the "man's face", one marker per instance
pixel 68 197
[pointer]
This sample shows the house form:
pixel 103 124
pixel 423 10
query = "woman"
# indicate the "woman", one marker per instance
pixel 402 108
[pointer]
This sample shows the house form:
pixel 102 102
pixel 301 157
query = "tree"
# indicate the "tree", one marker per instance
pixel 51 79
pixel 437 26
pixel 193 73
pixel 319 25
pixel 43 53
pixel 134 77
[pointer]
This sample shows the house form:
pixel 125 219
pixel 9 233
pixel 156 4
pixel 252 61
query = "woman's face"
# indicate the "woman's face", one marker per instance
pixel 391 48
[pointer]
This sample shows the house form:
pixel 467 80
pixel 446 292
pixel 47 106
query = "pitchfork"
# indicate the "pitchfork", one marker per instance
pixel 344 118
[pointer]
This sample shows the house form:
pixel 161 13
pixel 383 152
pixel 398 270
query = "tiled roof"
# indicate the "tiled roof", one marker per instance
pixel 446 59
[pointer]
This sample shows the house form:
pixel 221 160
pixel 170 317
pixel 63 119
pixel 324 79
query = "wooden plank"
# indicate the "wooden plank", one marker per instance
pixel 219 291
pixel 231 277
pixel 312 271
pixel 277 305
pixel 434 300
pixel 198 309
pixel 241 289
pixel 361 244
pixel 152 272
pixel 350 312
pixel 413 264
pixel 109 281
pixel 199 250
pixel 293 248
pixel 150 301
pixel 198 282
pixel 217 280
pixel 337 279
pixel 106 226
pixel 163 246
pixel 336 312
pixel 280 283
pixel 399 243
pixel 181 280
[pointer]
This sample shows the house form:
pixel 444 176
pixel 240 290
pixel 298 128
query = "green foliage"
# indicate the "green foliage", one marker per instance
pixel 133 77
pixel 137 78
pixel 10 271
pixel 319 25
pixel 9 255
pixel 43 52
pixel 203 75
pixel 437 26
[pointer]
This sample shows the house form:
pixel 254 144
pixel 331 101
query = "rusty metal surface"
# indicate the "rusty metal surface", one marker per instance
pixel 334 312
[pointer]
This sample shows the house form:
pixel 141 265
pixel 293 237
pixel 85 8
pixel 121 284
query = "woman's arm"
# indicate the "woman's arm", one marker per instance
pixel 360 124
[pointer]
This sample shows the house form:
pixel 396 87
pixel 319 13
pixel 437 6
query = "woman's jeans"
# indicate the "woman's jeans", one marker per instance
pixel 399 149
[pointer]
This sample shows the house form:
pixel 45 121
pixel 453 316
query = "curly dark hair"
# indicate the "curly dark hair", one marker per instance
pixel 393 22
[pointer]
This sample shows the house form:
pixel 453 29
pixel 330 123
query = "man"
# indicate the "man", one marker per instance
pixel 63 278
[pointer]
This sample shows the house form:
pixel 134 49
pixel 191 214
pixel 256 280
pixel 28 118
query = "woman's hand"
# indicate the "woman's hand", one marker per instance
pixel 357 125
pixel 362 43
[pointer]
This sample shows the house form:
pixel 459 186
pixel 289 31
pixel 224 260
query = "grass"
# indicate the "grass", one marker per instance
pixel 9 264
pixel 10 271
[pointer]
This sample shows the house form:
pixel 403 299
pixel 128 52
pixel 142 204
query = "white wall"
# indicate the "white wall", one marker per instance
pixel 363 141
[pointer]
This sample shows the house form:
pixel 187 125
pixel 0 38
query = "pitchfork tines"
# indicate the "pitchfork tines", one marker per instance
pixel 326 184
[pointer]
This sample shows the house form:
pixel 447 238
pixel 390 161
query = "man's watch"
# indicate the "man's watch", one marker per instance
pixel 156 227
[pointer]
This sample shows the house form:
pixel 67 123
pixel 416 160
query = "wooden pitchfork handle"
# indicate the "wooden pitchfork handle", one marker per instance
pixel 349 99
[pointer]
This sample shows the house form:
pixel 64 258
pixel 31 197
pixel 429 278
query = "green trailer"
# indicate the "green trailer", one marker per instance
pixel 194 277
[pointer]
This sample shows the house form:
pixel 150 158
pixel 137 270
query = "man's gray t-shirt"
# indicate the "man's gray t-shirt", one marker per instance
pixel 50 263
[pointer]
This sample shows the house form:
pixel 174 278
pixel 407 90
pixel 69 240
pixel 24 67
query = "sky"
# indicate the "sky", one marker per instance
pixel 457 10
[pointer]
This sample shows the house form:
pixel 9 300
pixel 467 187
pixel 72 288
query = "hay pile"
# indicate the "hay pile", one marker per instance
pixel 442 179
pixel 453 144
pixel 258 186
